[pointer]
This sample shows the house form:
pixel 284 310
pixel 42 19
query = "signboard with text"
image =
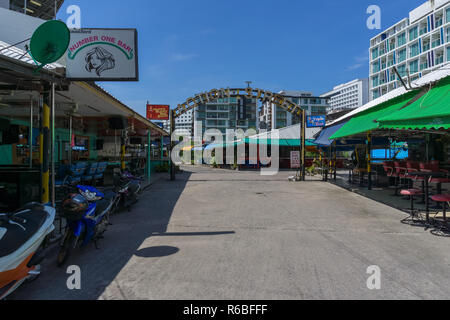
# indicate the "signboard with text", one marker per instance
pixel 316 121
pixel 102 55
pixel 295 159
pixel 158 112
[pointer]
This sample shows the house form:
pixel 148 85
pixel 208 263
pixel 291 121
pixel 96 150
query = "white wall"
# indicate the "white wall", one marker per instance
pixel 16 27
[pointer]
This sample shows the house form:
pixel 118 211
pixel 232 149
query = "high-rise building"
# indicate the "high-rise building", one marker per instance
pixel 348 96
pixel 226 113
pixel 415 45
pixel 273 117
pixel 183 124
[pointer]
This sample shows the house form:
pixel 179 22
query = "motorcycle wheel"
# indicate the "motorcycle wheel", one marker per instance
pixel 66 248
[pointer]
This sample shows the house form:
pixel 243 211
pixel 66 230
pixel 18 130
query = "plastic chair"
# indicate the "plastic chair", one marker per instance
pixel 444 200
pixel 101 169
pixel 90 172
pixel 401 174
pixel 411 193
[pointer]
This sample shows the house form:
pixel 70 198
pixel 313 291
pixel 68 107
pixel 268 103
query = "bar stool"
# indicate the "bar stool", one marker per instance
pixel 411 193
pixel 444 200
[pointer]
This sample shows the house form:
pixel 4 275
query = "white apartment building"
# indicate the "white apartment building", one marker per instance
pixel 226 114
pixel 273 117
pixel 416 45
pixel 348 96
pixel 183 124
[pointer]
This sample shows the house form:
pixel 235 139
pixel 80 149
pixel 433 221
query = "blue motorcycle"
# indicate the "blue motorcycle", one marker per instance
pixel 87 214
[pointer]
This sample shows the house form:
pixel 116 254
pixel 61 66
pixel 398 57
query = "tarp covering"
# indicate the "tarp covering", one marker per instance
pixel 324 138
pixel 279 142
pixel 368 120
pixel 431 111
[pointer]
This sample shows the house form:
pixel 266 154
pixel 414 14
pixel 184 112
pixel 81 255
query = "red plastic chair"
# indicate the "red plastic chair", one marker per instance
pixel 411 193
pixel 443 199
pixel 388 167
pixel 401 173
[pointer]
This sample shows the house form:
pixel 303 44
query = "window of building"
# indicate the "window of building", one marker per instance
pixel 401 39
pixel 413 34
pixel 414 50
pixel 414 66
pixel 402 55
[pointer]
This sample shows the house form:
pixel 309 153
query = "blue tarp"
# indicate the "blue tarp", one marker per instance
pixel 326 133
pixel 323 141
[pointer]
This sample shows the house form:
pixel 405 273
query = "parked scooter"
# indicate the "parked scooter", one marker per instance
pixel 23 236
pixel 127 188
pixel 87 214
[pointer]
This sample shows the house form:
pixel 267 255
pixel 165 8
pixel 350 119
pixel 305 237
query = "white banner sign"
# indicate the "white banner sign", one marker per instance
pixel 295 159
pixel 103 55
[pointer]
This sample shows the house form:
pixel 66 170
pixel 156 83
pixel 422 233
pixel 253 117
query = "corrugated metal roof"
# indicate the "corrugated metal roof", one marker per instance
pixel 21 55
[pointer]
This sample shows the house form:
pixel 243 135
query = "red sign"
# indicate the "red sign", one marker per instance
pixel 158 112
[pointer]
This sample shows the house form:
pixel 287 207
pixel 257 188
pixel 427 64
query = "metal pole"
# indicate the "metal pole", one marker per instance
pixel 70 140
pixel 30 139
pixel 162 147
pixel 369 159
pixel 45 149
pixel 149 155
pixel 52 152
pixel 335 160
pixel 122 152
pixel 172 129
pixel 303 138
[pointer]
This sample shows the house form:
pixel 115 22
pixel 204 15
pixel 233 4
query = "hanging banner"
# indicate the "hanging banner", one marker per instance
pixel 158 112
pixel 295 159
pixel 102 55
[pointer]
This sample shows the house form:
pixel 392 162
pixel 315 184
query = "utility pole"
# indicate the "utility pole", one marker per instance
pixel 172 129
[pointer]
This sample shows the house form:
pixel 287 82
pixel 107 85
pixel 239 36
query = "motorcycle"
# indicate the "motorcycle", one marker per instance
pixel 23 235
pixel 87 214
pixel 128 189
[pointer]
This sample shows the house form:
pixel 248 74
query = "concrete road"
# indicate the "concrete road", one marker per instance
pixel 216 234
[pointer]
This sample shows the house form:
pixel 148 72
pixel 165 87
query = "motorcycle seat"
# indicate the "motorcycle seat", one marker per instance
pixel 102 205
pixel 15 236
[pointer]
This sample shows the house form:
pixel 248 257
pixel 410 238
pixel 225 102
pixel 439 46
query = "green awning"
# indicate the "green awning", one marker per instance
pixel 431 111
pixel 279 142
pixel 368 120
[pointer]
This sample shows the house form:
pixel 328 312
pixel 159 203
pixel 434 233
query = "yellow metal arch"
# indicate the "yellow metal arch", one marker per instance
pixel 249 93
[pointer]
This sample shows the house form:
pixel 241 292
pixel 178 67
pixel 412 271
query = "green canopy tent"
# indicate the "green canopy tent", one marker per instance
pixel 368 120
pixel 429 112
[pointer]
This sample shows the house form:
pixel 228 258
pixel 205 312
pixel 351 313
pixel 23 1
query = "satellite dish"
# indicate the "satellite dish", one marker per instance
pixel 49 42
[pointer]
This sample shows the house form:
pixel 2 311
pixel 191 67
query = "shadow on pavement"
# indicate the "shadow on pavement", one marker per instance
pixel 156 252
pixel 150 217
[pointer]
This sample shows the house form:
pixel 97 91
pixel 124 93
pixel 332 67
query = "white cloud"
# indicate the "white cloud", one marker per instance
pixel 182 56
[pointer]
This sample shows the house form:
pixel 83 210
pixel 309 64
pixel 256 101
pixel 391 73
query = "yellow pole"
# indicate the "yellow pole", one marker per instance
pixel 44 140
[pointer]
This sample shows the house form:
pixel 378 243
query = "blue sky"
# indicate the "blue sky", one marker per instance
pixel 188 47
